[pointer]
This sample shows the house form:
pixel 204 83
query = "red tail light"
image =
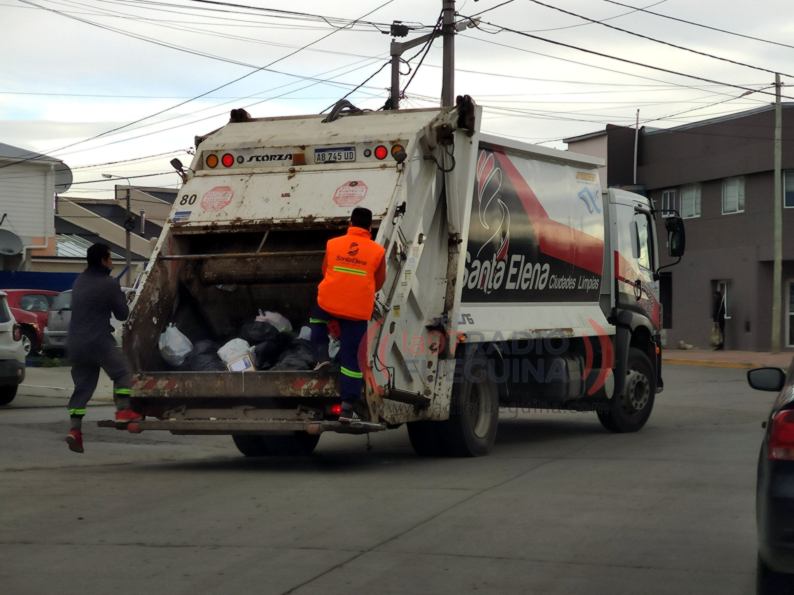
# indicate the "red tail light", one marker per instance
pixel 381 152
pixel 17 333
pixel 781 437
pixel 336 409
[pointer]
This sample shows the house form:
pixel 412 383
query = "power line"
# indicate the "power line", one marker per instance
pixel 116 129
pixel 625 60
pixel 672 18
pixel 655 40
pixel 425 50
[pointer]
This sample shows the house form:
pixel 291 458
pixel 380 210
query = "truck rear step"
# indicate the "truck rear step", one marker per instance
pixel 215 426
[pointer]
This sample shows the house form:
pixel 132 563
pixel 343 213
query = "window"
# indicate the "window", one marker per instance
pixel 788 188
pixel 670 202
pixel 790 316
pixel 733 195
pixel 34 303
pixel 5 313
pixel 642 239
pixel 62 301
pixel 690 201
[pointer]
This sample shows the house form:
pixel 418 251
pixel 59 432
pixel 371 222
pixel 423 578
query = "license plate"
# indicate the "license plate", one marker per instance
pixel 335 154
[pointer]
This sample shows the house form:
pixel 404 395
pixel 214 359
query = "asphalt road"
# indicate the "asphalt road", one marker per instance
pixel 560 507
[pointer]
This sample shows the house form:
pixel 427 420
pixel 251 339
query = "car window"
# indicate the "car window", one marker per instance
pixel 62 301
pixel 5 313
pixel 34 303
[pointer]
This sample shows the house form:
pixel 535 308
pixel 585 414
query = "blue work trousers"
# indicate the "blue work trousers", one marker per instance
pixel 352 349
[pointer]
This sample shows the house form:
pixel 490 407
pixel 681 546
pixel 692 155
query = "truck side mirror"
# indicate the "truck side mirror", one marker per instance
pixel 676 237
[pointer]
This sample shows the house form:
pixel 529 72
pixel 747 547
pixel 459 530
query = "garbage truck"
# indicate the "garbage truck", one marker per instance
pixel 512 280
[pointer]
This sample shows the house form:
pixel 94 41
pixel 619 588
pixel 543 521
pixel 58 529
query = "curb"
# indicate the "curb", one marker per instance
pixel 714 364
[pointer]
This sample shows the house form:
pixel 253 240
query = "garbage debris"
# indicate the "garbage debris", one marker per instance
pixel 257 332
pixel 236 355
pixel 174 346
pixel 277 320
pixel 204 358
pixel 299 355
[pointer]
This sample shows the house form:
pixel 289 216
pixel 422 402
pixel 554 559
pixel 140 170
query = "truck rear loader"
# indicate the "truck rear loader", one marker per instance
pixel 512 280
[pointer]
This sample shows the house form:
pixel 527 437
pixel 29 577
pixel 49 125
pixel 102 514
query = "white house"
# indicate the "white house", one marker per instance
pixel 28 182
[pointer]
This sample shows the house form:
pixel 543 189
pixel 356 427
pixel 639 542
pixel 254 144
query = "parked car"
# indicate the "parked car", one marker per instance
pixel 31 308
pixel 775 484
pixel 59 317
pixel 12 353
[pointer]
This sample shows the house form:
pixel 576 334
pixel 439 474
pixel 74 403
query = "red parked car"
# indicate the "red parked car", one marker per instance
pixel 31 309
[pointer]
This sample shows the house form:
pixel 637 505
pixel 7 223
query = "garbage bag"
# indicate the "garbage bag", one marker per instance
pixel 205 362
pixel 174 346
pixel 204 358
pixel 268 352
pixel 257 332
pixel 298 356
pixel 278 320
pixel 233 350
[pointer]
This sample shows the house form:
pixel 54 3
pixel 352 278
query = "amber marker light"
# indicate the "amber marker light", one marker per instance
pixel 211 161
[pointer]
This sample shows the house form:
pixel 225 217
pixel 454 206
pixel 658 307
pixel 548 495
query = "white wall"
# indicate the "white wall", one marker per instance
pixel 26 196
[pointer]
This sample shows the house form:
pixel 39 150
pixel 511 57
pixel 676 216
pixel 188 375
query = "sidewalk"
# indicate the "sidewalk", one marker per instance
pixel 726 359
pixel 57 382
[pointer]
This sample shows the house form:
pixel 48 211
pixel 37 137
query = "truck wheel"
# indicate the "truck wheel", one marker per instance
pixel 474 413
pixel 426 439
pixel 629 412
pixel 7 394
pixel 296 444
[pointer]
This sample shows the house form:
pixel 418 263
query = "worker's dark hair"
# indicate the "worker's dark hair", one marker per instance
pixel 361 217
pixel 97 253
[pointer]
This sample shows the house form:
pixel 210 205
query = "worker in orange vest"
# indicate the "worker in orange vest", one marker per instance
pixel 354 268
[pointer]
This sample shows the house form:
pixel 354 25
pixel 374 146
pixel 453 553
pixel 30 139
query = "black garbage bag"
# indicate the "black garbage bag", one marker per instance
pixel 204 358
pixel 268 352
pixel 298 356
pixel 258 332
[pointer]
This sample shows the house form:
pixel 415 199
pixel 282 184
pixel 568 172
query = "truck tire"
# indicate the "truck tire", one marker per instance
pixel 7 394
pixel 296 444
pixel 629 412
pixel 471 428
pixel 425 437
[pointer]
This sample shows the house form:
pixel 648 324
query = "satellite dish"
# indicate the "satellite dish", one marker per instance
pixel 63 177
pixel 10 243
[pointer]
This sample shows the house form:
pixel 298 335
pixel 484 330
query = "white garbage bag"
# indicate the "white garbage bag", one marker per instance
pixel 174 346
pixel 233 350
pixel 277 320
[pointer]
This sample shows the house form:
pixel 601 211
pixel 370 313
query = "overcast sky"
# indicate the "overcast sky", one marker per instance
pixel 97 65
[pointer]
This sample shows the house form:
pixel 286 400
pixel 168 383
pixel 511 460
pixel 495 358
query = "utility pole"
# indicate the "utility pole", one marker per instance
pixel 777 266
pixel 129 225
pixel 448 31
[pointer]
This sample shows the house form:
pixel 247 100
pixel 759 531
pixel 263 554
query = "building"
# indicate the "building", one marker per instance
pixel 28 183
pixel 718 174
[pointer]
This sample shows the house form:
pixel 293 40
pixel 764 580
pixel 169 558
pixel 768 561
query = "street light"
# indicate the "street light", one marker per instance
pixel 128 223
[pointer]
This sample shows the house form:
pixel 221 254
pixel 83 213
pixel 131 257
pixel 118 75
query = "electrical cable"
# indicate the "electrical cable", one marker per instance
pixel 655 40
pixel 672 18
pixel 426 50
pixel 236 80
pixel 349 93
pixel 619 59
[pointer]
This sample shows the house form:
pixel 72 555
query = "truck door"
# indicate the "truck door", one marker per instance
pixel 636 259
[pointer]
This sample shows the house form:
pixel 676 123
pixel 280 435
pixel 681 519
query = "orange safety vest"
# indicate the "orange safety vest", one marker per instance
pixel 348 287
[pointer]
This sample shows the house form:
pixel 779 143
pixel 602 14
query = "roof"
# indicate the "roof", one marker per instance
pixel 586 136
pixel 720 119
pixel 10 152
pixel 75 246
